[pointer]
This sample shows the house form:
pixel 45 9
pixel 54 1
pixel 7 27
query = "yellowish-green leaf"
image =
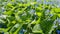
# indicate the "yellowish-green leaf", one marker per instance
pixel 14 22
pixel 39 13
pixel 57 9
pixel 58 15
pixel 8 12
pixel 9 4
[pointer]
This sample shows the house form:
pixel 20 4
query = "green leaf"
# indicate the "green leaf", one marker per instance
pixel 37 29
pixel 46 26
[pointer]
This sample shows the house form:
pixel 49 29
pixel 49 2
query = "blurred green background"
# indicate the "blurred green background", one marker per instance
pixel 29 16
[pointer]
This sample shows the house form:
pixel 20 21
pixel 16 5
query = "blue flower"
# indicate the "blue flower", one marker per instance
pixel 21 31
pixel 58 31
pixel 3 26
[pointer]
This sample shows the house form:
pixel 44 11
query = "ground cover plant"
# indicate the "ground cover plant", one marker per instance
pixel 29 17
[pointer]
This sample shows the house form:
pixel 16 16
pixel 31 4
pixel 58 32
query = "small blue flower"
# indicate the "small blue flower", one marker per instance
pixel 5 26
pixel 21 31
pixel 58 19
pixel 32 11
pixel 58 31
pixel 51 15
